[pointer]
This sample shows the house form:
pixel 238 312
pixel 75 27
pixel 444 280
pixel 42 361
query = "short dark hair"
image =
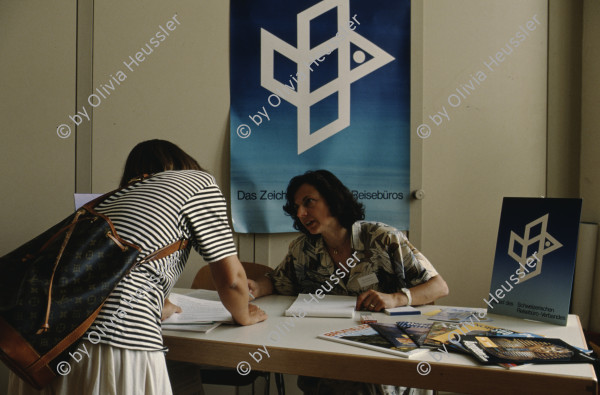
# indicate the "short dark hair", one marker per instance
pixel 154 156
pixel 342 204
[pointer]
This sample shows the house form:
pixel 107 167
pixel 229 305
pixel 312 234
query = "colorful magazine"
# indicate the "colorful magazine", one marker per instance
pixel 472 329
pixel 394 335
pixel 440 330
pixel 451 337
pixel 453 315
pixel 367 337
pixel 490 350
pixel 415 330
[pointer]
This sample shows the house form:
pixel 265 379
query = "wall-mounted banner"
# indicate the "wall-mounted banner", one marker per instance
pixel 319 85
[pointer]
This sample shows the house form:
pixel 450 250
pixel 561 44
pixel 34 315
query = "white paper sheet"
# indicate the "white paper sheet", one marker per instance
pixel 197 310
pixel 83 198
pixel 334 306
pixel 583 282
pixel 206 294
pixel 203 328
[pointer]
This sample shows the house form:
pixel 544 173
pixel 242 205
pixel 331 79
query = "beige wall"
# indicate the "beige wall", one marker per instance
pixel 589 183
pixel 180 92
pixel 564 98
pixel 37 85
pixel 493 146
pixel 37 82
pixel 590 114
pixel 494 143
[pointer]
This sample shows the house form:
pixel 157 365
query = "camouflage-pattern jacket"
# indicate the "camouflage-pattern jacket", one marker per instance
pixel 380 249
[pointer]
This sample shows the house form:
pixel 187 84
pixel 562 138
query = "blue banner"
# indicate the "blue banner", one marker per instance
pixel 319 85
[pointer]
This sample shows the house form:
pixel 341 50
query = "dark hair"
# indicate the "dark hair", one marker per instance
pixel 154 156
pixel 342 204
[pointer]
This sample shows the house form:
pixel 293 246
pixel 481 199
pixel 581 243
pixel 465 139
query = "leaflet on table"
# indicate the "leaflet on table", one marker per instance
pixel 447 333
pixel 332 306
pixel 417 331
pixel 394 335
pixel 459 314
pixel 439 329
pixel 191 327
pixel 513 365
pixel 535 336
pixel 402 310
pixel 509 349
pixel 195 310
pixel 367 337
pixel 448 336
pixel 535 259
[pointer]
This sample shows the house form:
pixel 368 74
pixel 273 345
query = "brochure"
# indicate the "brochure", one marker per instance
pixel 394 335
pixel 415 330
pixel 197 311
pixel 367 337
pixel 459 315
pixel 440 329
pixel 471 329
pixel 490 350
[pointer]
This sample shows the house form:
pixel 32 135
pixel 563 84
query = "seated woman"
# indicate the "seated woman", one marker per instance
pixel 389 272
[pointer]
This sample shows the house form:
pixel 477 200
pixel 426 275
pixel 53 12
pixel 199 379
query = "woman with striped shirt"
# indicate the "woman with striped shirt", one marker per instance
pixel 125 352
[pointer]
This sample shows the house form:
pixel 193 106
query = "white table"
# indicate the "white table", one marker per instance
pixel 293 348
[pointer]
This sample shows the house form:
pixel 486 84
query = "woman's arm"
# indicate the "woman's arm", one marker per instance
pixel 412 268
pixel 427 292
pixel 261 286
pixel 231 282
pixel 283 279
pixel 169 309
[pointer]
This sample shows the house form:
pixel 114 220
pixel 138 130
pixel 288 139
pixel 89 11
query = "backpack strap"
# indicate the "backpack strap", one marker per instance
pixel 166 251
pixel 158 254
pixel 93 203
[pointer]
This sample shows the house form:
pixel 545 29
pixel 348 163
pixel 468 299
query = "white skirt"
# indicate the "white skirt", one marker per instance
pixel 107 371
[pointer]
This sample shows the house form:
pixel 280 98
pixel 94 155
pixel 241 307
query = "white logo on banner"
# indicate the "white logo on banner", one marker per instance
pixel 304 57
pixel 546 244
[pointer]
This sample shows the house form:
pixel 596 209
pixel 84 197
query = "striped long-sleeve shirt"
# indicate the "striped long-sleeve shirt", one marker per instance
pixel 153 213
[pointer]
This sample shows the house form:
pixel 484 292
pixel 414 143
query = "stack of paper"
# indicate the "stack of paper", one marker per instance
pixel 203 328
pixel 201 311
pixel 459 314
pixel 402 310
pixel 333 306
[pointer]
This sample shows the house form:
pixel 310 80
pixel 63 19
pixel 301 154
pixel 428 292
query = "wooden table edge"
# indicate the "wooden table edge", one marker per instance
pixel 442 376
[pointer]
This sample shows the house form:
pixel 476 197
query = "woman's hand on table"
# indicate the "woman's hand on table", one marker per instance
pixel 376 301
pixel 262 286
pixel 254 289
pixel 169 309
pixel 255 315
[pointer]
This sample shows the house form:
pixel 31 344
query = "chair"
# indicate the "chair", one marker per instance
pixel 203 279
pixel 224 376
